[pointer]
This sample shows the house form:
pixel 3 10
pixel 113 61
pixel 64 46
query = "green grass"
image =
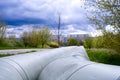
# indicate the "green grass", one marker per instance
pixel 45 47
pixel 6 48
pixel 27 52
pixel 5 55
pixel 104 56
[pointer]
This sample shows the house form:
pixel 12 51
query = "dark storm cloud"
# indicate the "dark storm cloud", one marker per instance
pixel 44 12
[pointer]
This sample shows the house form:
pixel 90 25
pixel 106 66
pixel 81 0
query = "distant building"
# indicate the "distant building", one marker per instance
pixel 63 38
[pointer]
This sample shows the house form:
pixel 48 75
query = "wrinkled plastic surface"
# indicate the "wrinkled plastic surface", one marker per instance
pixel 29 66
pixel 77 66
pixel 97 72
pixel 72 68
pixel 67 63
pixel 62 69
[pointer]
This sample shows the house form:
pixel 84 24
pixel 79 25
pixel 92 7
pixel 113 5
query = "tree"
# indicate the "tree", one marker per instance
pixel 88 42
pixel 2 34
pixel 25 38
pixel 2 29
pixel 33 38
pixel 30 39
pixel 14 42
pixel 104 13
pixel 98 42
pixel 72 42
pixel 112 41
pixel 44 36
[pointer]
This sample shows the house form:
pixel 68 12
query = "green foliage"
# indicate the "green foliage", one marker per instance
pixel 27 52
pixel 14 42
pixel 88 42
pixel 4 55
pixel 112 41
pixel 33 38
pixel 81 42
pixel 18 44
pixel 108 40
pixel 30 39
pixel 36 38
pixel 53 44
pixel 2 29
pixel 72 42
pixel 45 46
pixel 44 36
pixel 104 56
pixel 25 38
pixel 4 43
pixel 98 42
pixel 107 13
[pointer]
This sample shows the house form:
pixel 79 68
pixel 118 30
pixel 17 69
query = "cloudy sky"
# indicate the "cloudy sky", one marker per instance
pixel 21 15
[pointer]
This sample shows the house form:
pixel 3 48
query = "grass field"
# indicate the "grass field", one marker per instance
pixel 104 56
pixel 5 55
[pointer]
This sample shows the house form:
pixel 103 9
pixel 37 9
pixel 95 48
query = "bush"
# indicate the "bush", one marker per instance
pixel 72 42
pixel 18 44
pixel 53 44
pixel 88 42
pixel 4 43
pixel 98 42
pixel 5 55
pixel 104 56
pixel 45 46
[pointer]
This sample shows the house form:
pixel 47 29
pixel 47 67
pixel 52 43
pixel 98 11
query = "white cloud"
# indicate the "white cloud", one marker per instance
pixel 17 31
pixel 110 28
pixel 70 10
pixel 72 14
pixel 70 29
pixel 93 32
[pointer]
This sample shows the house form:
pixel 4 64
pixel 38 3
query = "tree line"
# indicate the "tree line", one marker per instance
pixel 104 13
pixel 36 38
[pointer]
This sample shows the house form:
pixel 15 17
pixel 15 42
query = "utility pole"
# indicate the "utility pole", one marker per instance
pixel 59 25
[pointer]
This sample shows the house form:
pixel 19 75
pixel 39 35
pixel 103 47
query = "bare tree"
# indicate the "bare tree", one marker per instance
pixel 2 29
pixel 25 38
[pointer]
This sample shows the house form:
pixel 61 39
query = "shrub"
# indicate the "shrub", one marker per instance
pixel 5 55
pixel 72 42
pixel 4 43
pixel 104 56
pixel 18 44
pixel 88 42
pixel 45 46
pixel 53 44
